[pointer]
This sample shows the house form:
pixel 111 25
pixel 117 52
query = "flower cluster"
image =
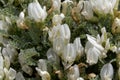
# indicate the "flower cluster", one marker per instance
pixel 60 40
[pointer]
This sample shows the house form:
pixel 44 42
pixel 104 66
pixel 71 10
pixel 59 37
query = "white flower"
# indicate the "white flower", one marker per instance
pixel 104 41
pixel 42 64
pixel 56 5
pixel 60 31
pixel 106 72
pixel 103 6
pixel 93 41
pixel 73 73
pixel 22 15
pixel 57 19
pixel 44 74
pixel 65 32
pixel 36 12
pixel 42 69
pixel 68 55
pixel 20 21
pixel 10 74
pixel 54 33
pixel 87 11
pixel 78 47
pixel 93 50
pixel 52 56
pixel 116 26
pixel 10 52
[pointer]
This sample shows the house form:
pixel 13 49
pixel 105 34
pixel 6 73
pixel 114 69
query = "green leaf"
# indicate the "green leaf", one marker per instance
pixel 26 56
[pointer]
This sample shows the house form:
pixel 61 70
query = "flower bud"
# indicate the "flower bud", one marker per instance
pixel 20 21
pixel 87 11
pixel 57 19
pixel 36 12
pixel 104 35
pixel 56 5
pixel 42 64
pixel 22 15
pixel 106 72
pixel 107 45
pixel 116 26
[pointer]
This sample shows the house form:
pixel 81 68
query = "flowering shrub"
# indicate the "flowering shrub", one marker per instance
pixel 59 40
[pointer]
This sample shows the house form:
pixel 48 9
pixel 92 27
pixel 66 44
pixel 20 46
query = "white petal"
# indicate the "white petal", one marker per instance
pixel 93 41
pixel 68 55
pixel 1 62
pixel 73 73
pixel 12 74
pixel 78 47
pixel 80 78
pixel 52 56
pixel 1 73
pixel 93 55
pixel 58 45
pixel 44 74
pixel 107 72
pixel 42 64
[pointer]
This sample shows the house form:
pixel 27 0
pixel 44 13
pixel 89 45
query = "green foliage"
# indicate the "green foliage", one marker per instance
pixel 32 43
pixel 27 56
